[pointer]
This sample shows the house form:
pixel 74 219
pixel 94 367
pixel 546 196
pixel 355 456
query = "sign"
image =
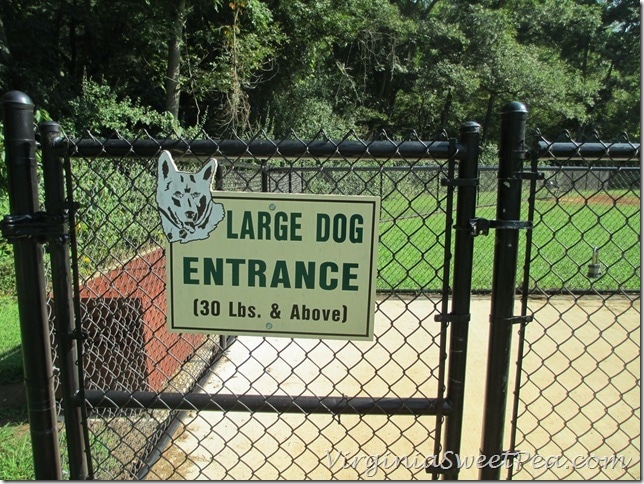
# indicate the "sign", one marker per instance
pixel 268 264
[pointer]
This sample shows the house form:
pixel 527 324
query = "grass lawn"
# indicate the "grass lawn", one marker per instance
pixel 565 233
pixel 10 353
pixel 16 462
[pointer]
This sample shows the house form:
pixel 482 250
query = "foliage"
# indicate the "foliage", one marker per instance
pixel 401 65
pixel 16 462
pixel 106 233
pixel 226 59
pixel 10 353
pixel 99 110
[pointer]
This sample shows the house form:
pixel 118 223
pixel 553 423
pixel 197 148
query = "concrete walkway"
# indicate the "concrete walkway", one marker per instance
pixel 403 361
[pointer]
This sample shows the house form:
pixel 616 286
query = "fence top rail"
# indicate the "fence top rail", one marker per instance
pixel 569 168
pixel 597 151
pixel 266 149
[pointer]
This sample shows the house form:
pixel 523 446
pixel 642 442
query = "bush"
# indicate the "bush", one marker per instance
pixel 100 111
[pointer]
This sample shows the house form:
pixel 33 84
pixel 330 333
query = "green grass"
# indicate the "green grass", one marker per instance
pixel 10 353
pixel 564 235
pixel 16 461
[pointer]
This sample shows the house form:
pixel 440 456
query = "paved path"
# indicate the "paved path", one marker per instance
pixel 218 445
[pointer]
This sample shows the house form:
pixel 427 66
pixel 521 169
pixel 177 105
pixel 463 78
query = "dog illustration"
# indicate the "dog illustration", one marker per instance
pixel 185 202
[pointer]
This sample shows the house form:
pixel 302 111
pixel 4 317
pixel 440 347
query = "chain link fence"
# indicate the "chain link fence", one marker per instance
pixel 577 413
pixel 121 267
pixel 578 375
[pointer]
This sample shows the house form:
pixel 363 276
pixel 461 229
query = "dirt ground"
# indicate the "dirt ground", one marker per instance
pixel 12 395
pixel 603 199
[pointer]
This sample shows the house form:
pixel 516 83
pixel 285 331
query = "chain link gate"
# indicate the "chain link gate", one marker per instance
pixel 575 411
pixel 139 402
pixel 577 397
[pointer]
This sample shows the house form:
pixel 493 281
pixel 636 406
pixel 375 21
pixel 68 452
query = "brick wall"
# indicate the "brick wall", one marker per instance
pixel 129 347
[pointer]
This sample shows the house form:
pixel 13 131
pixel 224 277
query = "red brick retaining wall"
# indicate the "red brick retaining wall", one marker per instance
pixel 129 347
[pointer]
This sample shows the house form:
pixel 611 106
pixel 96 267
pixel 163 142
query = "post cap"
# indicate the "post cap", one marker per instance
pixel 470 126
pixel 49 126
pixel 17 98
pixel 514 107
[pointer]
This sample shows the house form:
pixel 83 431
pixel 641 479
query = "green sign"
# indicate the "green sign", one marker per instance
pixel 290 265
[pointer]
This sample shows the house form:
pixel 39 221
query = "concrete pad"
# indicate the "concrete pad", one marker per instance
pixel 581 389
pixel 403 361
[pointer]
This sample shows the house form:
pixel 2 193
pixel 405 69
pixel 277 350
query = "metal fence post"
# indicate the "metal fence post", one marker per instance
pixel 219 177
pixel 219 185
pixel 66 333
pixel 264 175
pixel 511 158
pixel 459 316
pixel 21 228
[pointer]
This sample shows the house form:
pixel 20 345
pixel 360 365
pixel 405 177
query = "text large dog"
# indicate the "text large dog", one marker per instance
pixel 185 202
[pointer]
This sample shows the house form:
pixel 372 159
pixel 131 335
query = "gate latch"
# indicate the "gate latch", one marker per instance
pixel 481 226
pixel 39 226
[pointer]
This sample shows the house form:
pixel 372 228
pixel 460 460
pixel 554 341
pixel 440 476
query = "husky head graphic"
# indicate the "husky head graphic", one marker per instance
pixel 185 202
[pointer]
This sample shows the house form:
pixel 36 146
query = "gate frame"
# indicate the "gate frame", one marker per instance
pixel 512 155
pixel 29 229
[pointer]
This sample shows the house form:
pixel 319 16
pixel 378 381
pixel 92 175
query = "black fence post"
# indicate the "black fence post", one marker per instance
pixel 459 316
pixel 20 229
pixel 264 175
pixel 511 158
pixel 219 177
pixel 224 341
pixel 67 335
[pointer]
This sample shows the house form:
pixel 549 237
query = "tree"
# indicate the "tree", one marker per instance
pixel 588 37
pixel 172 81
pixel 618 106
pixel 344 64
pixel 401 65
pixel 229 51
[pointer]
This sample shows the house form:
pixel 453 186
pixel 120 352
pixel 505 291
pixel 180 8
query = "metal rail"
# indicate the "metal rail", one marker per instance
pixel 89 148
pixel 265 403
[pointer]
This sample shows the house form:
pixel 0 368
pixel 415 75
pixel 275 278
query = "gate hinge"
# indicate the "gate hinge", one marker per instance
pixel 39 226
pixel 79 334
pixel 481 226
pixel 452 318
pixel 438 468
pixel 531 175
pixel 459 182
pixel 449 464
pixel 513 319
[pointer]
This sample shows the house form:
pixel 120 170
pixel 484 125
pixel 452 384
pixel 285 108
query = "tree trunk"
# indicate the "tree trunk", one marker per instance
pixel 488 116
pixel 447 107
pixel 5 53
pixel 172 86
pixel 429 8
